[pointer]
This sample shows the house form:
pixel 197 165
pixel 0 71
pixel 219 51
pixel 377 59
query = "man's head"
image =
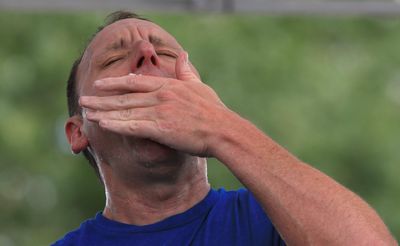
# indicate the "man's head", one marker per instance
pixel 125 44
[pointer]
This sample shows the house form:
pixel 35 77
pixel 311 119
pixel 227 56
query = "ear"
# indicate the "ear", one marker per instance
pixel 75 135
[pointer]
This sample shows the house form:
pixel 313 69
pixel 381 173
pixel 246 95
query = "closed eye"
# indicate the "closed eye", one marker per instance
pixel 167 54
pixel 112 60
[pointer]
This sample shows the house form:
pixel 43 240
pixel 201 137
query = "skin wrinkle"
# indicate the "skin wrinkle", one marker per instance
pixel 288 206
pixel 90 53
pixel 151 207
pixel 151 181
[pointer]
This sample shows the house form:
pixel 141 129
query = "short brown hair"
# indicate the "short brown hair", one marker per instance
pixel 72 93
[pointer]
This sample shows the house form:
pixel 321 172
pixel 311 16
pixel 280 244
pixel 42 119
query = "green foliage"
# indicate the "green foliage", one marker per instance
pixel 327 89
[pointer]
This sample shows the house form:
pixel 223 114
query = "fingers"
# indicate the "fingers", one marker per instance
pixel 147 83
pixel 138 128
pixel 123 115
pixel 131 82
pixel 183 70
pixel 124 101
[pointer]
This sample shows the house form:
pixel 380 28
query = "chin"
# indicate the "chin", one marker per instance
pixel 146 159
pixel 159 162
pixel 153 154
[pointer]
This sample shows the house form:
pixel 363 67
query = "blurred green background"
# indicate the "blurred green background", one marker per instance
pixel 328 89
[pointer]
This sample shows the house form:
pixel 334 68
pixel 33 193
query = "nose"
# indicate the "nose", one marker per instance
pixel 145 56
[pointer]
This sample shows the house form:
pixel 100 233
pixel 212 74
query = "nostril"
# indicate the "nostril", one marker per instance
pixel 153 60
pixel 140 62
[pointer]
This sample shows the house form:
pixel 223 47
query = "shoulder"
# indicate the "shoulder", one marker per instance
pixel 69 239
pixel 240 197
pixel 240 209
pixel 75 237
pixel 241 202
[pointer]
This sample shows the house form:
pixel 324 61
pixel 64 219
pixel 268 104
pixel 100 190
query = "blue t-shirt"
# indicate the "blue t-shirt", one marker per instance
pixel 221 218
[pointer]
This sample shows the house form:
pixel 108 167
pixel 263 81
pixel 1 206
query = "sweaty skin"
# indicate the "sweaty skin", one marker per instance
pixel 150 121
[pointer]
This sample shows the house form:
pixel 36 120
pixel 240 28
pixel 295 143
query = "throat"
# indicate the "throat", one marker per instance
pixel 144 204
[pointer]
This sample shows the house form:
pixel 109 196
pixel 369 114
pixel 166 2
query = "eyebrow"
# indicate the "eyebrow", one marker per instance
pixel 156 40
pixel 121 43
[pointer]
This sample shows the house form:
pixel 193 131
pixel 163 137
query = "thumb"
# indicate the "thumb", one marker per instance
pixel 182 68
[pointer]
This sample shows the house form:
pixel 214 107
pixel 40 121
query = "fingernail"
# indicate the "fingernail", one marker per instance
pixel 99 82
pixel 103 123
pixel 89 114
pixel 186 58
pixel 82 99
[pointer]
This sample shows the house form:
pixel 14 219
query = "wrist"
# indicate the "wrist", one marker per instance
pixel 228 135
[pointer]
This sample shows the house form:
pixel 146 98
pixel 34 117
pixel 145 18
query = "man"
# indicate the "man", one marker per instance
pixel 146 122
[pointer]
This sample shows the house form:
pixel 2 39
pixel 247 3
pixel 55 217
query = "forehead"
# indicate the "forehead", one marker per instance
pixel 130 30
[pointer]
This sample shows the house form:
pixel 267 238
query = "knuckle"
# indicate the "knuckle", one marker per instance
pixel 165 126
pixel 159 110
pixel 133 126
pixel 122 100
pixel 125 114
pixel 182 89
pixel 166 95
pixel 163 111
pixel 130 82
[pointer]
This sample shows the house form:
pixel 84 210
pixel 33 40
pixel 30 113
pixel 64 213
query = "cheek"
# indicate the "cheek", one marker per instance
pixel 103 143
pixel 93 132
pixel 117 70
pixel 195 71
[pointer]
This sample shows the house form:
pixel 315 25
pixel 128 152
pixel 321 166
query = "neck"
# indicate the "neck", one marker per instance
pixel 143 203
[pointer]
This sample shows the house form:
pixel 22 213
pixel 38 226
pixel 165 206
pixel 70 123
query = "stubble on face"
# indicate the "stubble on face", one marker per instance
pixel 128 156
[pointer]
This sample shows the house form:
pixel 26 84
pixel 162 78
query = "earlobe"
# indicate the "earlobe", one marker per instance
pixel 75 136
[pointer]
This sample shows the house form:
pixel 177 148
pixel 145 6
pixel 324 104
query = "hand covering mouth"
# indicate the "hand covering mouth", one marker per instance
pixel 152 72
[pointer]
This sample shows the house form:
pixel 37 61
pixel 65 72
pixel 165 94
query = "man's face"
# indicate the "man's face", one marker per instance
pixel 127 46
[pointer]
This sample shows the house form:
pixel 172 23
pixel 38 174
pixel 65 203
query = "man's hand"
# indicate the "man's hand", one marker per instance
pixel 181 113
pixel 306 206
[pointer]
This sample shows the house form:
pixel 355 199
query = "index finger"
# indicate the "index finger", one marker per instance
pixel 131 82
